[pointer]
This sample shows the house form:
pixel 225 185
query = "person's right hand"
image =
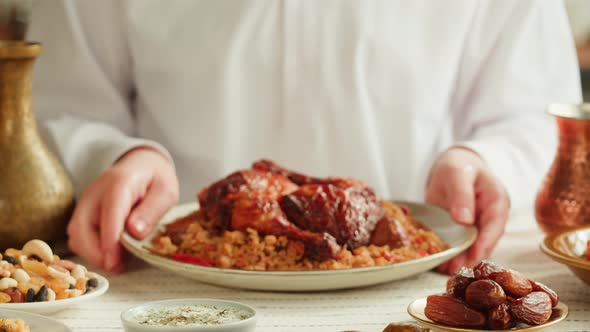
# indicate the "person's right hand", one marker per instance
pixel 134 193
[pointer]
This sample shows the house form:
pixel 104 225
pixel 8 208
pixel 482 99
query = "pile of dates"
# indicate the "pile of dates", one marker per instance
pixel 491 297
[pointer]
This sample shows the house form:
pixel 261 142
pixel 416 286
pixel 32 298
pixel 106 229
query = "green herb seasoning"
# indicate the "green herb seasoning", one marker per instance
pixel 192 315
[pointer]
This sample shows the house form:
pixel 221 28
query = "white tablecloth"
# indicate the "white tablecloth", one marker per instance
pixel 368 309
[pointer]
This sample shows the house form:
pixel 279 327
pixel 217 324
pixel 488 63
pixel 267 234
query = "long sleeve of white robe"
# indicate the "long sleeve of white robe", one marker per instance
pixel 511 70
pixel 368 89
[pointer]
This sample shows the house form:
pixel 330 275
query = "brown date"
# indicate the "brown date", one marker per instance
pixel 451 311
pixel 395 327
pixel 533 309
pixel 514 283
pixel 500 318
pixel 510 299
pixel 485 270
pixel 15 295
pixel 457 284
pixel 484 294
pixel 539 287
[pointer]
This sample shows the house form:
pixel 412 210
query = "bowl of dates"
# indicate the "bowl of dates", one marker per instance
pixel 490 297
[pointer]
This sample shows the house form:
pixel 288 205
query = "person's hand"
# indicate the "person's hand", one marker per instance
pixel 461 183
pixel 134 193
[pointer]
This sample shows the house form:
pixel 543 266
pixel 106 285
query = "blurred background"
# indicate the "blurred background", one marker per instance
pixel 579 15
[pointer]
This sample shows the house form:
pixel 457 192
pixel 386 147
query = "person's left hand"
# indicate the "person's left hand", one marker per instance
pixel 461 183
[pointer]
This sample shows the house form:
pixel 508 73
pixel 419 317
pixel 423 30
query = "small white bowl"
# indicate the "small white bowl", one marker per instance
pixel 130 324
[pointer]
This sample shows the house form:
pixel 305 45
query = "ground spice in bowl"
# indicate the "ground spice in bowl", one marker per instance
pixel 190 315
pixel 187 315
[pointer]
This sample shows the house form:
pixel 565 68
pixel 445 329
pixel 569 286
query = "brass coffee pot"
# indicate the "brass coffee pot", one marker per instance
pixel 36 195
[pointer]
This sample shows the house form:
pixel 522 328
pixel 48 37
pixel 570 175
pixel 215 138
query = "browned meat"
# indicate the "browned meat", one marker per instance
pixel 391 232
pixel 300 179
pixel 345 208
pixel 217 200
pixel 322 213
pixel 349 214
pixel 270 166
pixel 265 215
pixel 249 199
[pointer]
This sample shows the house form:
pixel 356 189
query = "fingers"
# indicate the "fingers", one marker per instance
pixel 494 206
pixel 83 237
pixel 451 266
pixel 443 268
pixel 451 187
pixel 458 262
pixel 461 183
pixel 116 205
pixel 159 198
pixel 491 228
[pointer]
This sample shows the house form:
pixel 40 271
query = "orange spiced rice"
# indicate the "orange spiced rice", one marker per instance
pixel 251 251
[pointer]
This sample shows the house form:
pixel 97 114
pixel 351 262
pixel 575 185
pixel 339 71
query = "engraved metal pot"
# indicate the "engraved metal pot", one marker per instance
pixel 36 195
pixel 564 198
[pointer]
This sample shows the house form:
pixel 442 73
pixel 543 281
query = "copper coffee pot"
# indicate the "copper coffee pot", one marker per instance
pixel 564 198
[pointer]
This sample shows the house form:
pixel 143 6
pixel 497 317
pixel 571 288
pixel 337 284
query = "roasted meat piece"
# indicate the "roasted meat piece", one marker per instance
pixel 389 231
pixel 345 208
pixel 217 200
pixel 349 214
pixel 249 199
pixel 265 215
pixel 323 213
pixel 301 179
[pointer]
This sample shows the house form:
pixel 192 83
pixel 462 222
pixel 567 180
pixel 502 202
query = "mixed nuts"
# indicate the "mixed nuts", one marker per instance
pixel 35 274
pixel 491 297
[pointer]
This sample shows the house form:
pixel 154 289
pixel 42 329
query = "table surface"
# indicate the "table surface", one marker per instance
pixel 367 309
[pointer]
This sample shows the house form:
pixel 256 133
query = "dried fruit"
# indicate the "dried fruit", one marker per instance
pixel 513 282
pixel 500 318
pixel 533 309
pixel 15 295
pixel 457 284
pixel 451 311
pixel 539 287
pixel 9 259
pixel 42 295
pixel 30 297
pixel 484 294
pixel 92 283
pixel 485 270
pixel 396 327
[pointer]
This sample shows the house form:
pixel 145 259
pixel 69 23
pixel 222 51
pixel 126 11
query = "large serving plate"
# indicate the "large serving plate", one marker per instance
pixel 51 307
pixel 458 237
pixel 36 322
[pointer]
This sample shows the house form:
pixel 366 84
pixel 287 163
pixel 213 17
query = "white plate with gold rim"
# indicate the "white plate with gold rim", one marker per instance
pixel 458 237
pixel 51 307
pixel 36 322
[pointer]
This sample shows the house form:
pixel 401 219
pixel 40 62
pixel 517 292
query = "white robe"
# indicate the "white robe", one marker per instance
pixel 368 89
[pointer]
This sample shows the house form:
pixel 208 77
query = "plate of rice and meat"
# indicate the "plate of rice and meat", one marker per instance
pixel 269 228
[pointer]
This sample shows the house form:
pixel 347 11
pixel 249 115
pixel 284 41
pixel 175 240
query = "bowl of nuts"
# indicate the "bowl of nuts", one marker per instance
pixel 35 280
pixel 490 297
